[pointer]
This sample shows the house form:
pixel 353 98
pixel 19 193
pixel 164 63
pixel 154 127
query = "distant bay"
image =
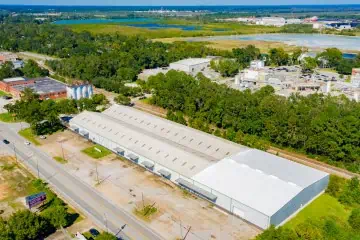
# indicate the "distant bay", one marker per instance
pixel 305 40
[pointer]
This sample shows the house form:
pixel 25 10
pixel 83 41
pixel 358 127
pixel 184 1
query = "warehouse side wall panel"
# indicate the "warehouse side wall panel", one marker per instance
pixel 299 201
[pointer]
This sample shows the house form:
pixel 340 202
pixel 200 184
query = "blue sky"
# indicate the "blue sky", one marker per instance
pixel 175 2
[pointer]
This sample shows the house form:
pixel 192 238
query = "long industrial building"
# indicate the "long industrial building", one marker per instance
pixel 259 187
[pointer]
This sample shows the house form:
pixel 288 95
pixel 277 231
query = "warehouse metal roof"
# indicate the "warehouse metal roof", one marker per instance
pixel 259 180
pixel 190 140
pixel 192 61
pixel 180 158
pixel 43 86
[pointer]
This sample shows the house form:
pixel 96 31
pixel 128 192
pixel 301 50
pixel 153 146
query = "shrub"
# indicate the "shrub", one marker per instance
pixel 354 219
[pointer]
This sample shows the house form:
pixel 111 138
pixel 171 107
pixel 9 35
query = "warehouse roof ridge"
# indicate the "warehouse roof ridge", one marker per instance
pixel 143 143
pixel 197 141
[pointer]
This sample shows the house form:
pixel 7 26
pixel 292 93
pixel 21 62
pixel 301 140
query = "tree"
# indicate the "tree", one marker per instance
pixel 354 219
pixel 106 236
pixel 295 56
pixel 245 55
pixel 5 232
pixel 345 66
pixel 308 231
pixel 57 216
pixel 308 65
pixel 7 70
pixel 26 225
pixel 121 99
pixel 278 56
pixel 332 56
pixel 226 67
pixel 280 233
pixel 32 70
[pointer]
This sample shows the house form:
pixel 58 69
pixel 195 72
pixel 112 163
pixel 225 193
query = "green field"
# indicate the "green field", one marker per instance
pixel 324 206
pixel 94 153
pixel 29 135
pixel 6 117
pixel 207 29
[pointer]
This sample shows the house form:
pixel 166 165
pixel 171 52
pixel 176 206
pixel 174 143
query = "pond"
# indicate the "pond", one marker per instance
pixel 306 40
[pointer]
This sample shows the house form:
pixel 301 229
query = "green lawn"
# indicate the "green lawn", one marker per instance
pixel 29 135
pixel 60 160
pixel 6 117
pixel 4 94
pixel 95 153
pixel 324 206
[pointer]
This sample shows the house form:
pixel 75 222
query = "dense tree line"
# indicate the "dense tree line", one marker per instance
pixel 43 115
pixel 316 124
pixel 31 69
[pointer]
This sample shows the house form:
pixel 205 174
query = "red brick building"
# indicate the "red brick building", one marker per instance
pixel 45 87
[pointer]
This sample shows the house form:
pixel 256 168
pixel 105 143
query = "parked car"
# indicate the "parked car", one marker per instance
pixel 27 143
pixel 43 137
pixel 94 232
pixel 6 141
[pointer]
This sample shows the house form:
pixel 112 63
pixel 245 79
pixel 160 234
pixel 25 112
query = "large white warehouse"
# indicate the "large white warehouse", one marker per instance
pixel 259 187
pixel 191 65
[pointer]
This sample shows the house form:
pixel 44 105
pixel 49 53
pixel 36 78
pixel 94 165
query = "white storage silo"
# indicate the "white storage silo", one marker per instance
pixel 78 92
pixel 84 90
pixel 90 90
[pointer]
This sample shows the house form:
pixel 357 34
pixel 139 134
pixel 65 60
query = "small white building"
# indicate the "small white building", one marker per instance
pixel 257 64
pixel 191 65
pixel 293 21
pixel 355 78
pixel 272 21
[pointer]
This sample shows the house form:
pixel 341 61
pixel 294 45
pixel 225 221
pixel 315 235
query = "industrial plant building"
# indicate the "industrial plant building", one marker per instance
pixel 47 88
pixel 79 89
pixel 259 187
pixel 191 65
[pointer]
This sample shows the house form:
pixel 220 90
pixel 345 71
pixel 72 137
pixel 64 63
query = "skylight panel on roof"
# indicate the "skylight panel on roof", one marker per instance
pixel 174 159
pixel 184 164
pixel 192 167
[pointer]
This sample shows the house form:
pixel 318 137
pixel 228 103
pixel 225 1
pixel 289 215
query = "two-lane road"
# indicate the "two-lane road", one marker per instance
pixel 76 192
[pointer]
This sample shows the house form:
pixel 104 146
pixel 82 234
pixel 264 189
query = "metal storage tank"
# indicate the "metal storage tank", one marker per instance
pixel 84 91
pixel 78 92
pixel 90 90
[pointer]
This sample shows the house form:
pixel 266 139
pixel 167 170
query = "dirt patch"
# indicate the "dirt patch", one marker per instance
pixel 4 191
pixel 126 184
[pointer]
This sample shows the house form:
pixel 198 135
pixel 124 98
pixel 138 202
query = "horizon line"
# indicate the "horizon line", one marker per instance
pixel 205 5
